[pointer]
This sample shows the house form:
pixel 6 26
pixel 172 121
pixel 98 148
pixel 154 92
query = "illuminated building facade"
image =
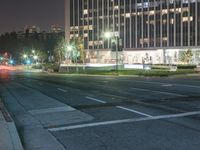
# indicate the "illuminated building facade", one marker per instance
pixel 155 30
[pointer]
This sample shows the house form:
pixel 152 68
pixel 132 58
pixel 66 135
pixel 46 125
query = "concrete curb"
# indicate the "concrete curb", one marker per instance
pixel 12 133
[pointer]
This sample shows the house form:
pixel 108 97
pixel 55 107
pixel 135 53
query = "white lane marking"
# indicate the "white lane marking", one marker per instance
pixel 61 90
pixel 124 121
pixel 97 100
pixel 139 89
pixel 121 107
pixel 135 111
pixel 167 85
pixel 168 93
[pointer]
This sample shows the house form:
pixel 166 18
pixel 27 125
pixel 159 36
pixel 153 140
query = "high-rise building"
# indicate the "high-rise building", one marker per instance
pixel 157 31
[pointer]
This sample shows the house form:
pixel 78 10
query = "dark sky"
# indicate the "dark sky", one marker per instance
pixel 15 14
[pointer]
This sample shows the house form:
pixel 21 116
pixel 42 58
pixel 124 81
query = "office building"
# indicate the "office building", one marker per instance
pixel 157 31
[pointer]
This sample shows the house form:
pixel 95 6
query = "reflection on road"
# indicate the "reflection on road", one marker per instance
pixel 5 71
pixel 7 68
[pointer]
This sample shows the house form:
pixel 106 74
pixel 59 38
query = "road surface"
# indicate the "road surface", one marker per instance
pixel 109 112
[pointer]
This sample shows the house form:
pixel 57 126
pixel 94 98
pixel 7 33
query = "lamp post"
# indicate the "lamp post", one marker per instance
pixel 115 36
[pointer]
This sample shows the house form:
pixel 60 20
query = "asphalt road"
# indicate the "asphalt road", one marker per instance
pixel 123 113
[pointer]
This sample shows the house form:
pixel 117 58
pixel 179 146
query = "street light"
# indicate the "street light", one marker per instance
pixel 11 62
pixel 110 35
pixel 24 56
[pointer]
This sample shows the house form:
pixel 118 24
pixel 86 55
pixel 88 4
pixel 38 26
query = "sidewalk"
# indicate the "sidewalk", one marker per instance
pixel 9 139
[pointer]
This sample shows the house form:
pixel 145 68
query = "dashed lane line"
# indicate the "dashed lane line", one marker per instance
pixel 161 92
pixel 62 90
pixel 135 111
pixel 121 107
pixel 95 124
pixel 97 100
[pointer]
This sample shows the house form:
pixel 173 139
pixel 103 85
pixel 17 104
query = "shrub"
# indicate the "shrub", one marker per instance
pixel 161 67
pixel 186 66
pixel 37 66
pixel 51 66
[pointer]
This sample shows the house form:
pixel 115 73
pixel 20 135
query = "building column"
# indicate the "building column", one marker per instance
pixel 175 24
pixel 142 26
pixel 136 20
pixel 189 23
pixel 196 24
pixel 148 33
pixel 161 26
pixel 67 20
pixel 168 22
pixel 164 56
pixel 155 30
pixel 131 29
pixel 98 35
pixel 181 23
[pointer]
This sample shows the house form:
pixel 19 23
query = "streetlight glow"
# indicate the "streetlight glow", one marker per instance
pixel 28 61
pixel 25 56
pixel 107 35
pixel 35 57
pixel 11 61
pixel 69 47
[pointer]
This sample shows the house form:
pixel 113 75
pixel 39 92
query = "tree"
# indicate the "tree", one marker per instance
pixel 77 42
pixel 187 56
pixel 59 51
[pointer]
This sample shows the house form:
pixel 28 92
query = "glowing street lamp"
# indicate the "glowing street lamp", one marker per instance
pixel 25 56
pixel 107 35
pixel 35 57
pixel 11 61
pixel 70 47
pixel 28 61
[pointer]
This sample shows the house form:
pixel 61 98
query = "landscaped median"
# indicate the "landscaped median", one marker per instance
pixel 143 70
pixel 153 70
pixel 157 72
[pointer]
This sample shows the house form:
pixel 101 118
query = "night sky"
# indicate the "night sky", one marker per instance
pixel 15 14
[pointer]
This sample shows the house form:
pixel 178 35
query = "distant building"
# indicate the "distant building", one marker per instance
pixel 34 32
pixel 31 29
pixel 155 30
pixel 56 28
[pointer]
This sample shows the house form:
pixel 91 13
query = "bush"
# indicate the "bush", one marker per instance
pixel 51 66
pixel 37 66
pixel 161 67
pixel 186 66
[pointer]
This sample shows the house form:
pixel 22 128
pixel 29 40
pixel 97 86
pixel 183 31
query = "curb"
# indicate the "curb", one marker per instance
pixel 13 134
